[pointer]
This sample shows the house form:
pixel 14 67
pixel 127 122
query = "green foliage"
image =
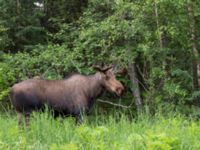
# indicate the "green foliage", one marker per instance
pixel 5 41
pixel 44 132
pixel 50 62
pixel 111 36
pixel 7 77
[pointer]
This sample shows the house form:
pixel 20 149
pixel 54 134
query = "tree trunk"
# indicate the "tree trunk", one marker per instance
pixel 195 53
pixel 158 25
pixel 136 89
pixel 18 6
pixel 162 36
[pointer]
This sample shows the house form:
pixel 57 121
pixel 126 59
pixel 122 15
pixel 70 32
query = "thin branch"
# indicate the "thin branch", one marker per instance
pixel 140 72
pixel 158 24
pixel 114 104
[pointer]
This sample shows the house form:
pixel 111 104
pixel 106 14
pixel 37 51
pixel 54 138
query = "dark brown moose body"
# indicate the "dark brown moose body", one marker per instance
pixel 71 96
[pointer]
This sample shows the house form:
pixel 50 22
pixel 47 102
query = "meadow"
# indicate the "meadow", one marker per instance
pixel 111 132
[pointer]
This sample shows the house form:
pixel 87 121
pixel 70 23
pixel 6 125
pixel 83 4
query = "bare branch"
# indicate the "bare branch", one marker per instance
pixel 114 104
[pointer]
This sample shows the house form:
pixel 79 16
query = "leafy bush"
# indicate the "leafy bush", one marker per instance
pixel 50 62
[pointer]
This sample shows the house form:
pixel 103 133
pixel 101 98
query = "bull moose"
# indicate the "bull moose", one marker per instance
pixel 70 96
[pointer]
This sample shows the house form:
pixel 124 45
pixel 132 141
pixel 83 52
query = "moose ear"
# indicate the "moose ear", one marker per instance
pixel 122 71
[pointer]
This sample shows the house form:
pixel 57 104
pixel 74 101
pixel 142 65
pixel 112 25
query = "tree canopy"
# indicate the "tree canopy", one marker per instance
pixel 155 41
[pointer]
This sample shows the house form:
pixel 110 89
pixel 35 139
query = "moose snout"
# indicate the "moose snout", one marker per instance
pixel 119 91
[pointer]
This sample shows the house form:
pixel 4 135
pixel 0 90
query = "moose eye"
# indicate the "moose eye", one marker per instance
pixel 107 77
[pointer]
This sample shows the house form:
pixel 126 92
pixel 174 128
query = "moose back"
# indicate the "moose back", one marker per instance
pixel 70 96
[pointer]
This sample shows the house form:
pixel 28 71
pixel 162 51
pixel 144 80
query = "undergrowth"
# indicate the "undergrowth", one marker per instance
pixel 100 132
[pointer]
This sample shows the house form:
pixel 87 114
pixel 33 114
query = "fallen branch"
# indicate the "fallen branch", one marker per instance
pixel 114 104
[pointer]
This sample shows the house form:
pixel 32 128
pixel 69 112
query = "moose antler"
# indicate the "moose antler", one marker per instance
pixel 102 68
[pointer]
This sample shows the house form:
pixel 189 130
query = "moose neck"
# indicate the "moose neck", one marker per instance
pixel 95 85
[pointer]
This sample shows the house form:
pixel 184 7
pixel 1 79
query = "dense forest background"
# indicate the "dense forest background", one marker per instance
pixel 154 42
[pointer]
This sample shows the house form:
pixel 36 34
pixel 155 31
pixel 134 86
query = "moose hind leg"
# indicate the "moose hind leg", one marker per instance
pixel 79 119
pixel 27 118
pixel 20 118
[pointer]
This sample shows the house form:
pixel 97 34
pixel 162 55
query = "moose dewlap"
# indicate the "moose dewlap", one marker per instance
pixel 70 96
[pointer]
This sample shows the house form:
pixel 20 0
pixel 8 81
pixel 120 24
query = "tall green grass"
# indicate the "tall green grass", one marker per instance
pixel 100 132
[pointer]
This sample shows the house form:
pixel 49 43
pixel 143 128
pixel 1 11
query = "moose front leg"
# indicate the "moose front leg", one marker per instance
pixel 79 117
pixel 90 106
pixel 27 118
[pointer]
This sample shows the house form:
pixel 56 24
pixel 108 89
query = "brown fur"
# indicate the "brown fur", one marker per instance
pixel 68 97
